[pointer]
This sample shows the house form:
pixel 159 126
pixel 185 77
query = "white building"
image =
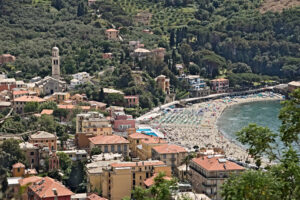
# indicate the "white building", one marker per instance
pixel 79 79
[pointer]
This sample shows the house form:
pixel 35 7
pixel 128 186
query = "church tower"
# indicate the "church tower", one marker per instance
pixel 55 63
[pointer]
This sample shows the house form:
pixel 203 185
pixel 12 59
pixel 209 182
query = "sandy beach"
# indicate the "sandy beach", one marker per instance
pixel 197 124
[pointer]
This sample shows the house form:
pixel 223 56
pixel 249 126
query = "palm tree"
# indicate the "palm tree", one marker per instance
pixel 186 161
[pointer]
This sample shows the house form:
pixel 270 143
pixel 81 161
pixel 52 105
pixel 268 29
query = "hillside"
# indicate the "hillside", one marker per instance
pixel 212 38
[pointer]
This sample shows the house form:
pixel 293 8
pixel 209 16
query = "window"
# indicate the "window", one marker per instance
pixel 112 148
pixel 140 177
pixel 18 169
pixel 105 149
pixel 32 160
pixel 32 153
pixel 164 156
pixel 125 147
pixel 119 148
pixel 133 175
pixel 133 182
pixel 70 156
pixel 147 174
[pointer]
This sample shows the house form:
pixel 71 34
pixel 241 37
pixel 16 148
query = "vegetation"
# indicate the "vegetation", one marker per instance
pixel 280 181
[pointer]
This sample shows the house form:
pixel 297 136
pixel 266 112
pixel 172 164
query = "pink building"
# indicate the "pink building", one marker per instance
pixel 112 34
pixel 220 85
pixel 123 122
pixel 131 101
pixel 107 56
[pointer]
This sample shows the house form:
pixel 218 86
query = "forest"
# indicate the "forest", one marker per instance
pixel 212 38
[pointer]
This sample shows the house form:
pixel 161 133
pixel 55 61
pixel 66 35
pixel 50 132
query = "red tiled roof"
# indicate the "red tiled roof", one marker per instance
pixel 17 92
pixel 95 197
pixel 44 188
pixel 29 99
pixel 111 30
pixel 220 79
pixel 169 148
pixel 138 136
pixel 18 165
pixel 31 171
pixel 154 140
pixel 108 139
pixel 138 164
pixel 150 181
pixel 214 164
pixel 47 112
pixel 29 180
pixel 71 107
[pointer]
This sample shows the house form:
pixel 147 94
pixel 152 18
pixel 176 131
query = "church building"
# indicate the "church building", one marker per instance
pixel 52 84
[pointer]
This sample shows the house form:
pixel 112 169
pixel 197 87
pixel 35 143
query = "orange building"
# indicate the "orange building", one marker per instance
pixel 112 34
pixel 220 85
pixel 163 83
pixel 19 103
pixel 26 182
pixel 18 170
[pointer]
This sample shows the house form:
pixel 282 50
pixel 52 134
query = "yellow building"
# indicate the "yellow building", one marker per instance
pixel 172 155
pixel 60 97
pixel 144 150
pixel 89 125
pixel 120 178
pixel 44 139
pixel 110 144
pixel 135 140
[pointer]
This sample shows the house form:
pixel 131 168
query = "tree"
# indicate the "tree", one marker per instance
pixel 47 123
pixel 48 105
pixel 58 4
pixel 95 151
pixel 160 190
pixel 260 141
pixel 81 9
pixel 31 107
pixel 172 38
pixel 186 53
pixel 252 185
pixel 101 94
pixel 65 162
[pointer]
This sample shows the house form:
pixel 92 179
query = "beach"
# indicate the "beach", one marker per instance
pixel 196 125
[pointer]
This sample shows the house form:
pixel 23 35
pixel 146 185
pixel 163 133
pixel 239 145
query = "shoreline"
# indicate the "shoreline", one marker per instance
pixel 203 131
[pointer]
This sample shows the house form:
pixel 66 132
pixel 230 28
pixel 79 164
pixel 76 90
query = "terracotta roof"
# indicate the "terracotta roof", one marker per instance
pixel 45 187
pixel 108 139
pixel 138 136
pixel 112 30
pixel 29 180
pixel 220 79
pixel 131 97
pixel 29 99
pixel 138 164
pixel 169 148
pixel 47 112
pixel 216 164
pixel 71 107
pixel 42 135
pixel 31 172
pixel 150 181
pixel 154 140
pixel 95 197
pixel 18 165
pixel 17 92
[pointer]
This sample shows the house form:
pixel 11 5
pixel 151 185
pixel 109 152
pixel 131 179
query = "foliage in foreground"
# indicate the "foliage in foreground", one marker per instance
pixel 280 181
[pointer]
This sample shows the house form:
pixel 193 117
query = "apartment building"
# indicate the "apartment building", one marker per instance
pixel 89 125
pixel 208 173
pixel 220 85
pixel 19 103
pixel 144 150
pixel 135 140
pixel 110 144
pixel 121 178
pixel 43 139
pixel 172 155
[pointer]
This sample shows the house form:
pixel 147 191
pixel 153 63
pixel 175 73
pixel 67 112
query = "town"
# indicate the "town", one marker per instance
pixel 149 100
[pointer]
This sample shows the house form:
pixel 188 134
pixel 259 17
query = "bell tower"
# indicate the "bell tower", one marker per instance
pixel 55 63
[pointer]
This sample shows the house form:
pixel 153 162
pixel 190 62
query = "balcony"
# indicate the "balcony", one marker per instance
pixel 221 176
pixel 209 184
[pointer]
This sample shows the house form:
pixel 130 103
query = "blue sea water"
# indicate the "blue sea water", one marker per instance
pixel 264 113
